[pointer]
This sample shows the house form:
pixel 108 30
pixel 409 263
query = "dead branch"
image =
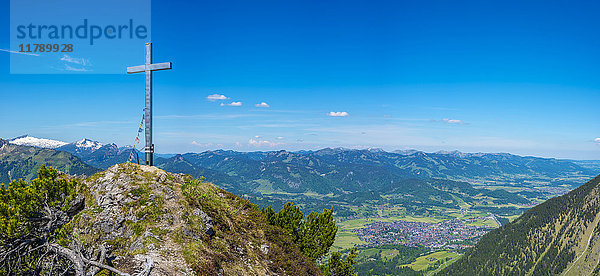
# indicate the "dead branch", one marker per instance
pixel 69 254
pixel 147 267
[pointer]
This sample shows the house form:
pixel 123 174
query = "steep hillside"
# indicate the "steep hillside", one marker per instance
pixel 561 235
pixel 18 161
pixel 180 225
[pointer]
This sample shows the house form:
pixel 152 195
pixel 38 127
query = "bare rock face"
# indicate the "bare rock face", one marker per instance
pixel 134 207
pixel 156 223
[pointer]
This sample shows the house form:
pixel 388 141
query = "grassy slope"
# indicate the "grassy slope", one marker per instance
pixel 423 262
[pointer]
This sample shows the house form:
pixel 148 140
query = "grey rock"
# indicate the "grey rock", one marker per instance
pixel 105 226
pixel 264 249
pixel 208 222
pixel 136 245
pixel 76 205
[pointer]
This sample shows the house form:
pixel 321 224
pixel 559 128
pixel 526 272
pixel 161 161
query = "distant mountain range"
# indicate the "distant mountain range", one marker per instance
pixel 559 236
pixel 99 155
pixel 346 177
pixel 91 152
pixel 20 161
pixel 341 171
pixel 336 170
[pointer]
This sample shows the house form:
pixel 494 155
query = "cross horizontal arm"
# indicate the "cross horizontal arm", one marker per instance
pixel 136 69
pixel 160 66
pixel 151 67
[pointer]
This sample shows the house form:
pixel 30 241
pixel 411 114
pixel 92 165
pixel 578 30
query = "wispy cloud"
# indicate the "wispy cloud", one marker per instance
pixel 208 116
pixel 216 97
pixel 283 125
pixel 17 52
pixel 207 145
pixel 263 143
pixel 597 140
pixel 263 104
pixel 97 124
pixel 453 121
pixel 440 108
pixel 338 114
pixel 70 59
pixel 69 68
pixel 232 104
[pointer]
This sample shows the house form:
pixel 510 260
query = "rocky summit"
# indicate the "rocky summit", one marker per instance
pixel 156 223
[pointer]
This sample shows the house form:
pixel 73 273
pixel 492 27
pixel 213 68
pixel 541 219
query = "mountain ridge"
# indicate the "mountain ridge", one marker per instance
pixel 353 170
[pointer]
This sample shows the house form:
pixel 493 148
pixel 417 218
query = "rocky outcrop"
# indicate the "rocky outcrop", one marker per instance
pixel 160 223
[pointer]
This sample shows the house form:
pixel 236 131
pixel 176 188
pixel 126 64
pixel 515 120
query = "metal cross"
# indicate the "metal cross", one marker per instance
pixel 147 68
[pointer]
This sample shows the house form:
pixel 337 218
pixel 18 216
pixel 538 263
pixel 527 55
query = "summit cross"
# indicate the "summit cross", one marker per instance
pixel 148 68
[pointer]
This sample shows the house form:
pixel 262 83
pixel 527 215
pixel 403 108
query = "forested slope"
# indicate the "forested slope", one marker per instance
pixel 558 236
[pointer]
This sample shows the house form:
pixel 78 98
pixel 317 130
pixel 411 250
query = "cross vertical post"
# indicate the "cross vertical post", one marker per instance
pixel 149 149
pixel 147 68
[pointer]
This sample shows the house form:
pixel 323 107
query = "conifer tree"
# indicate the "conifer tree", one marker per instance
pixel 338 266
pixel 317 234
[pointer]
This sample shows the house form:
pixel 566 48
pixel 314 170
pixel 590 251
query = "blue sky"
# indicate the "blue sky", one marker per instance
pixel 490 76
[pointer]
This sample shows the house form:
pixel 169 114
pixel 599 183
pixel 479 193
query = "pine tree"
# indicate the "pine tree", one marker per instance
pixel 338 266
pixel 313 236
pixel 290 218
pixel 317 234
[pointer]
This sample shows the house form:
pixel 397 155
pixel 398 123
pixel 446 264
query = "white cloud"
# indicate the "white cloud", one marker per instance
pixel 597 140
pixel 453 121
pixel 80 61
pixel 215 97
pixel 263 143
pixel 17 52
pixel 338 114
pixel 279 138
pixel 232 104
pixel 263 104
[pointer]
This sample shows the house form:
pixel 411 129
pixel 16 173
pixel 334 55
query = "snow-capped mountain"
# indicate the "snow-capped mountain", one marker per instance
pixel 83 146
pixel 96 154
pixel 88 144
pixel 27 140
